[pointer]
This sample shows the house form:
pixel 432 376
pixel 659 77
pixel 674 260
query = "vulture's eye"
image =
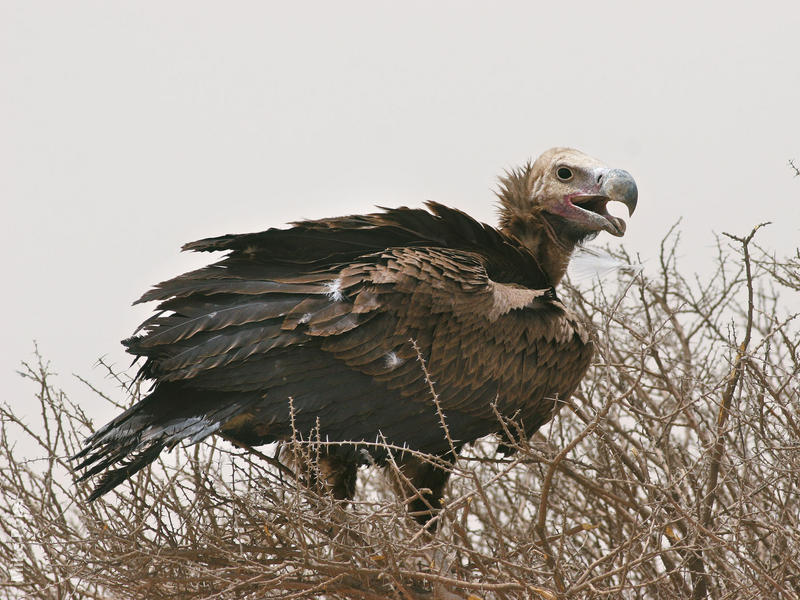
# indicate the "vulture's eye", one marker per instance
pixel 564 174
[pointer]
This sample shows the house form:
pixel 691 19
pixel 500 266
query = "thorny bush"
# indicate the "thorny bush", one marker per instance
pixel 673 473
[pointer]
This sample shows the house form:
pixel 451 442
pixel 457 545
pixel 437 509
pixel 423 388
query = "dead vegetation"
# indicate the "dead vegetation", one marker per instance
pixel 673 473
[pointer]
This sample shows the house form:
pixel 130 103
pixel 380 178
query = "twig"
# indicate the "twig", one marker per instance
pixel 696 565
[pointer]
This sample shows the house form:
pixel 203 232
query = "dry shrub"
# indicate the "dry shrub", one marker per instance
pixel 673 473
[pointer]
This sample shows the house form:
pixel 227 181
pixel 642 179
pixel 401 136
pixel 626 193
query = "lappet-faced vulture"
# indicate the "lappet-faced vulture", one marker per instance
pixel 321 331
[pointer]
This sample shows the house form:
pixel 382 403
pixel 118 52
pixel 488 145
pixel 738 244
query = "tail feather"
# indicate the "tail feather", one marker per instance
pixel 113 478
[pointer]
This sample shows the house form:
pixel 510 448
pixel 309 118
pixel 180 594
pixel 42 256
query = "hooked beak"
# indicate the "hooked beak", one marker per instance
pixel 615 185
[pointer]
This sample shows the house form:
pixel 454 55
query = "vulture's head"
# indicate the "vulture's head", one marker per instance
pixel 559 200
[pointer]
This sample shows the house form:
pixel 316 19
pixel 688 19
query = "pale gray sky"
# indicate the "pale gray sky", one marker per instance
pixel 129 128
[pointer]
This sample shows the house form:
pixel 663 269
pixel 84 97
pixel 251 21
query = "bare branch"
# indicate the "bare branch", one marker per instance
pixel 673 473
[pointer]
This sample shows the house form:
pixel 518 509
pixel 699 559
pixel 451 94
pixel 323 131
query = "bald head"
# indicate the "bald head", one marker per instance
pixel 560 199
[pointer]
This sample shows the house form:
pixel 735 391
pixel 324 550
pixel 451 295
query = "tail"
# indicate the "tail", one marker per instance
pixel 114 477
pixel 135 438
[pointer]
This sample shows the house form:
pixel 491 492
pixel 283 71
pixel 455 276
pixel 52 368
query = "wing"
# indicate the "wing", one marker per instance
pixel 317 245
pixel 270 343
pixel 481 342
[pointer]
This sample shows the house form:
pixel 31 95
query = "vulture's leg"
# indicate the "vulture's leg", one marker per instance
pixel 336 475
pixel 422 483
pixel 323 471
pixel 331 475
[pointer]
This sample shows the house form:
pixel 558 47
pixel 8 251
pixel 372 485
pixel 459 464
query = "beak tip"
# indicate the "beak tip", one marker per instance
pixel 621 186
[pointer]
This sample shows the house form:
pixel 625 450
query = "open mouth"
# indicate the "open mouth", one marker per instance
pixel 597 206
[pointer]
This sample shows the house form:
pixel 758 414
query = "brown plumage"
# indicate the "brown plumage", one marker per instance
pixel 335 315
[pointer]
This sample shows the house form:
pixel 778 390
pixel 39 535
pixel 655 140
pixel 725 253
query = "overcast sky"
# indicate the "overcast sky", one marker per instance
pixel 129 128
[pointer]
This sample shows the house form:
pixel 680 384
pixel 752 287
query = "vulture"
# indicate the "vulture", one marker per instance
pixel 341 330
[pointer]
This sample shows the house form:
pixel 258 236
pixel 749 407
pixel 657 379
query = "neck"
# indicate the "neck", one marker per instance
pixel 537 234
pixel 524 218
